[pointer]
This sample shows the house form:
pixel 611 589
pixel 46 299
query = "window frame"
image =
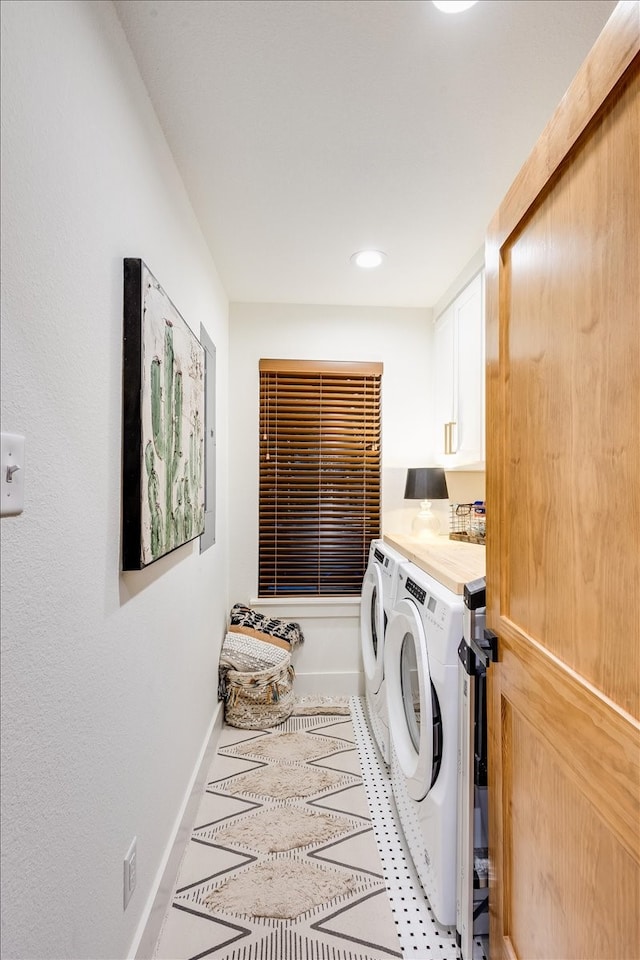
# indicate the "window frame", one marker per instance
pixel 330 414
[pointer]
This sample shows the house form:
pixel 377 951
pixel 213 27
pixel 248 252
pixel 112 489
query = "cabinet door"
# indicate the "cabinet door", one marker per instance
pixel 458 378
pixel 469 373
pixel 443 380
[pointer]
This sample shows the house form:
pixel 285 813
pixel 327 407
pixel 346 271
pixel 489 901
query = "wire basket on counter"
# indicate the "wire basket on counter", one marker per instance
pixel 467 522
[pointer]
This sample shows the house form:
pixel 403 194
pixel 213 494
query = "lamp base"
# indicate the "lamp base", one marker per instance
pixel 425 524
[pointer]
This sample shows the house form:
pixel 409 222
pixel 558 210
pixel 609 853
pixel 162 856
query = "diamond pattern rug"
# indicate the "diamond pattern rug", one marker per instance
pixel 282 863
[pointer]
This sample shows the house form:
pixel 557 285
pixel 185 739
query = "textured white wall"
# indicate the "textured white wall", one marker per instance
pixel 108 680
pixel 401 338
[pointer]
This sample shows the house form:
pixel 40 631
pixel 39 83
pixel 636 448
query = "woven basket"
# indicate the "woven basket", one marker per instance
pixel 261 694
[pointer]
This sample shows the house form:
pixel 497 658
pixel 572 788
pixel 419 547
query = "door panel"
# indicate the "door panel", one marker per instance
pixel 551 881
pixel 573 466
pixel 563 529
pixel 596 744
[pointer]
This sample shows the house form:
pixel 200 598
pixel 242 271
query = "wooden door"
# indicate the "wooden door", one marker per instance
pixel 563 524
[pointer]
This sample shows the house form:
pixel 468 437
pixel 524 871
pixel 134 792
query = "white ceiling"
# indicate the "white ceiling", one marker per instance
pixel 305 130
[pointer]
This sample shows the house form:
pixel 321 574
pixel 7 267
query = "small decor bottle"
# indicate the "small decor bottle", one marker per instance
pixel 478 524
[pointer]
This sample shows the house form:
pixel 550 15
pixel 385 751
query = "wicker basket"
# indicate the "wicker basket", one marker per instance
pixel 260 693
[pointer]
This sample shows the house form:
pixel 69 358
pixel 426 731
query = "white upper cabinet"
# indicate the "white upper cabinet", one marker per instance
pixel 458 378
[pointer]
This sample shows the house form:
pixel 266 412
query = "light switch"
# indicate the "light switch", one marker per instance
pixel 12 475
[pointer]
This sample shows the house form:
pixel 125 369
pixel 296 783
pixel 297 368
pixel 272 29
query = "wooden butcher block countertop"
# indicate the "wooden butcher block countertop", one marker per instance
pixel 450 562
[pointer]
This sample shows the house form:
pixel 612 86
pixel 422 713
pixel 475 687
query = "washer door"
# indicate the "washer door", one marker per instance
pixel 413 707
pixel 372 626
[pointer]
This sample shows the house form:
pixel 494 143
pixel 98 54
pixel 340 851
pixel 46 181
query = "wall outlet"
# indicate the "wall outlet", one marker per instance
pixel 130 872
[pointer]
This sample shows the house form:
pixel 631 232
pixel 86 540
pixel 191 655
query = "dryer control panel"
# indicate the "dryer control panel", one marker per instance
pixel 380 557
pixel 416 591
pixel 434 612
pixel 442 618
pixel 388 563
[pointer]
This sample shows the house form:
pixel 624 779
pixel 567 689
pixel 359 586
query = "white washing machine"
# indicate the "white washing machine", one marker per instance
pixel 421 676
pixel 377 601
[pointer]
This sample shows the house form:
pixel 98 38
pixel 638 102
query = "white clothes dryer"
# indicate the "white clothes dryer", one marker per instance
pixel 421 656
pixel 377 601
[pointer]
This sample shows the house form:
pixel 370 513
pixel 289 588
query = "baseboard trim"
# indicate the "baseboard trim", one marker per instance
pixel 148 930
pixel 339 684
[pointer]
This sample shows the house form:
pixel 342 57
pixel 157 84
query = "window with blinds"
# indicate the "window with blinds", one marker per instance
pixel 319 475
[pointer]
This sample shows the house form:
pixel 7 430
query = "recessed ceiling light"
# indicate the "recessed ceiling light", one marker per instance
pixel 453 6
pixel 368 259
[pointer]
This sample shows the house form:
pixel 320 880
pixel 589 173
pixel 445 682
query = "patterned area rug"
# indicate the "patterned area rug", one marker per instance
pixel 283 863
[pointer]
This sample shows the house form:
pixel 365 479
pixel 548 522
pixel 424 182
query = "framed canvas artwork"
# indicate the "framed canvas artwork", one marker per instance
pixel 208 538
pixel 163 483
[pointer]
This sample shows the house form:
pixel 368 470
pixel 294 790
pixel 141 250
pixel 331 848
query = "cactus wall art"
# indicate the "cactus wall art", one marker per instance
pixel 163 495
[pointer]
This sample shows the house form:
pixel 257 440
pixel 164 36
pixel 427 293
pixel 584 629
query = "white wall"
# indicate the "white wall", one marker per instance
pixel 108 680
pixel 329 661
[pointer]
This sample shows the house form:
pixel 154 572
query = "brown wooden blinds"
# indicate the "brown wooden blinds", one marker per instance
pixel 319 475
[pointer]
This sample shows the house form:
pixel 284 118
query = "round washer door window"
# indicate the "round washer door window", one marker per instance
pixel 409 697
pixel 372 626
pixel 410 684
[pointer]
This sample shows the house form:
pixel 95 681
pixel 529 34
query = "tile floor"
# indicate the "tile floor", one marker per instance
pixel 384 915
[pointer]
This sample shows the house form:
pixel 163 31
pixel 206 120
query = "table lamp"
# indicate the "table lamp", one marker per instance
pixel 426 484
